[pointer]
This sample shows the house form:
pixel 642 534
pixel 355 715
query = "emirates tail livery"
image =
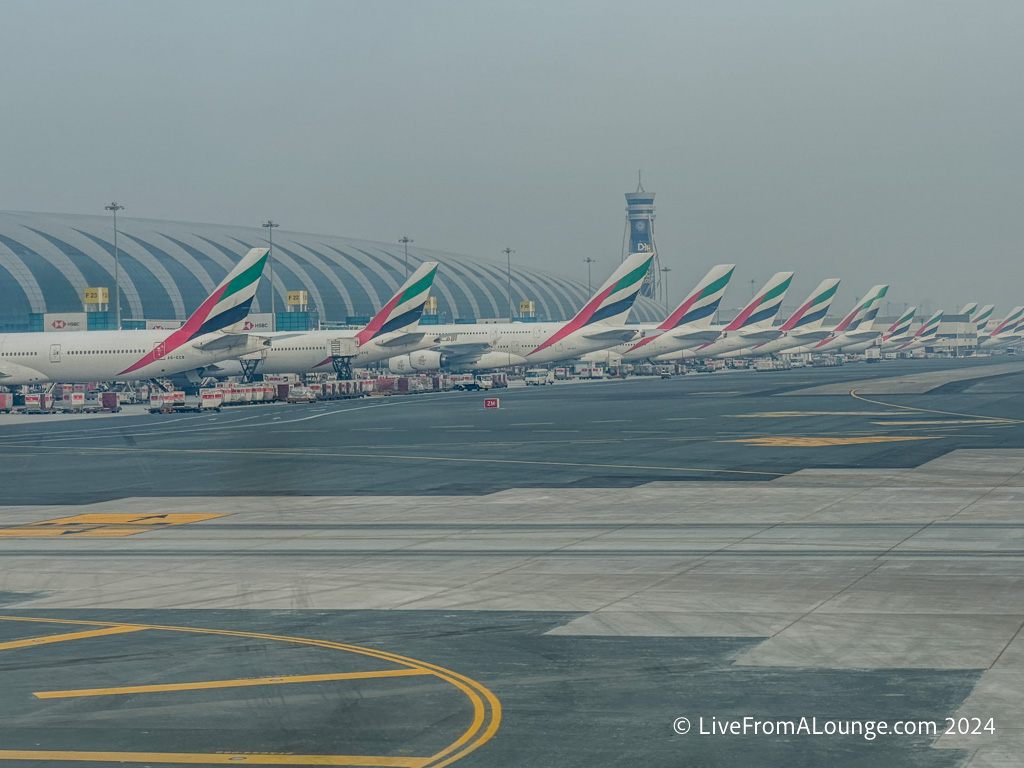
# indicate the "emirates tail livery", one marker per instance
pixel 688 326
pixel 600 324
pixel 981 318
pixel 393 330
pixel 803 326
pixel 206 337
pixel 892 337
pixel 1005 332
pixel 751 326
pixel 924 337
pixel 856 328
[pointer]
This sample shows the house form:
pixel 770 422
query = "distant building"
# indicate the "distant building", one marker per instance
pixel 48 260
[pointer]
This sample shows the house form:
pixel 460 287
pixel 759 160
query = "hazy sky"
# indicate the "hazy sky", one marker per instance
pixel 872 140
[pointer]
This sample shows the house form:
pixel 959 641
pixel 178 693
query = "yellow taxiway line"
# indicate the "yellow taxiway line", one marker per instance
pixel 47 639
pixel 241 683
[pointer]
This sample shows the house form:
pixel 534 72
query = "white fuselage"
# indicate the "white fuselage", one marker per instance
pixel 314 352
pixel 787 342
pixel 32 358
pixel 519 340
pixel 655 342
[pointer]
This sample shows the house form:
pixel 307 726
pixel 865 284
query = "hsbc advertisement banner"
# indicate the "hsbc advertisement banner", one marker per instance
pixel 158 325
pixel 256 323
pixel 65 321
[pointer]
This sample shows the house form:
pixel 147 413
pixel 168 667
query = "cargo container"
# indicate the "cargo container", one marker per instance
pixel 211 399
pixel 39 402
pixel 6 402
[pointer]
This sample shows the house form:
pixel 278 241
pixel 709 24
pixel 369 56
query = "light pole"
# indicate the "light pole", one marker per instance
pixel 589 261
pixel 508 255
pixel 665 271
pixel 405 240
pixel 114 208
pixel 269 224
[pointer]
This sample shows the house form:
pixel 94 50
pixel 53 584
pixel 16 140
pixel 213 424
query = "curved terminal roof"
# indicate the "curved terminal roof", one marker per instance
pixel 167 268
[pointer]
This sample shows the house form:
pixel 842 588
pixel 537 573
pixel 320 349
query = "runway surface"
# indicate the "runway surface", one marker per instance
pixel 420 582
pixel 599 434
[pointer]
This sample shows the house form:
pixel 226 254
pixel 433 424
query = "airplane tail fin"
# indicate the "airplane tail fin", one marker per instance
pixel 612 302
pixel 223 309
pixel 404 309
pixel 930 328
pixel 1008 323
pixel 901 327
pixel 230 301
pixel 763 308
pixel 863 313
pixel 700 306
pixel 811 313
pixel 968 309
pixel 981 318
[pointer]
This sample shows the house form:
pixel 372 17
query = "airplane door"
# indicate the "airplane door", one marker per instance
pixel 536 332
pixel 55 353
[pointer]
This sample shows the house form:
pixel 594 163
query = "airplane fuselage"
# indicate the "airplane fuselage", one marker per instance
pixel 33 358
pixel 314 352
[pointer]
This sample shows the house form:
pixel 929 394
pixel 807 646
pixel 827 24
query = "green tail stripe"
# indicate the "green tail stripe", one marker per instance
pixel 827 294
pixel 421 285
pixel 632 277
pixel 246 278
pixel 777 290
pixel 716 286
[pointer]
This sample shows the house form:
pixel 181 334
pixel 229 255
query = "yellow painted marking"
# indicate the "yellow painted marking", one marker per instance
pixel 818 442
pixel 938 421
pixel 241 683
pixel 218 758
pixel 47 639
pixel 106 524
pixel 486 713
pixel 793 414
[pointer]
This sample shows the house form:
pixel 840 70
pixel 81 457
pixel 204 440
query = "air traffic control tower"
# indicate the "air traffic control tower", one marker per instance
pixel 639 235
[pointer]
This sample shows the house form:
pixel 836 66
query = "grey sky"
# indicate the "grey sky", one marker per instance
pixel 870 140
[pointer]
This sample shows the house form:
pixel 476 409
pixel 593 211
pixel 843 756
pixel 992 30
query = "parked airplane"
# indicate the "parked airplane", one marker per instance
pixel 206 337
pixel 688 326
pixel 924 337
pixel 894 335
pixel 600 324
pixel 394 329
pixel 1005 332
pixel 803 326
pixel 856 328
pixel 751 326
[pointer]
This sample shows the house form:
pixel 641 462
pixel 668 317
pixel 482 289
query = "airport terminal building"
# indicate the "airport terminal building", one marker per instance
pixel 49 260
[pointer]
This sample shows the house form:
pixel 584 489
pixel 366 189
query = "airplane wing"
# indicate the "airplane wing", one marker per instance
pixel 231 340
pixel 401 339
pixel 465 348
pixel 696 334
pixel 613 334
